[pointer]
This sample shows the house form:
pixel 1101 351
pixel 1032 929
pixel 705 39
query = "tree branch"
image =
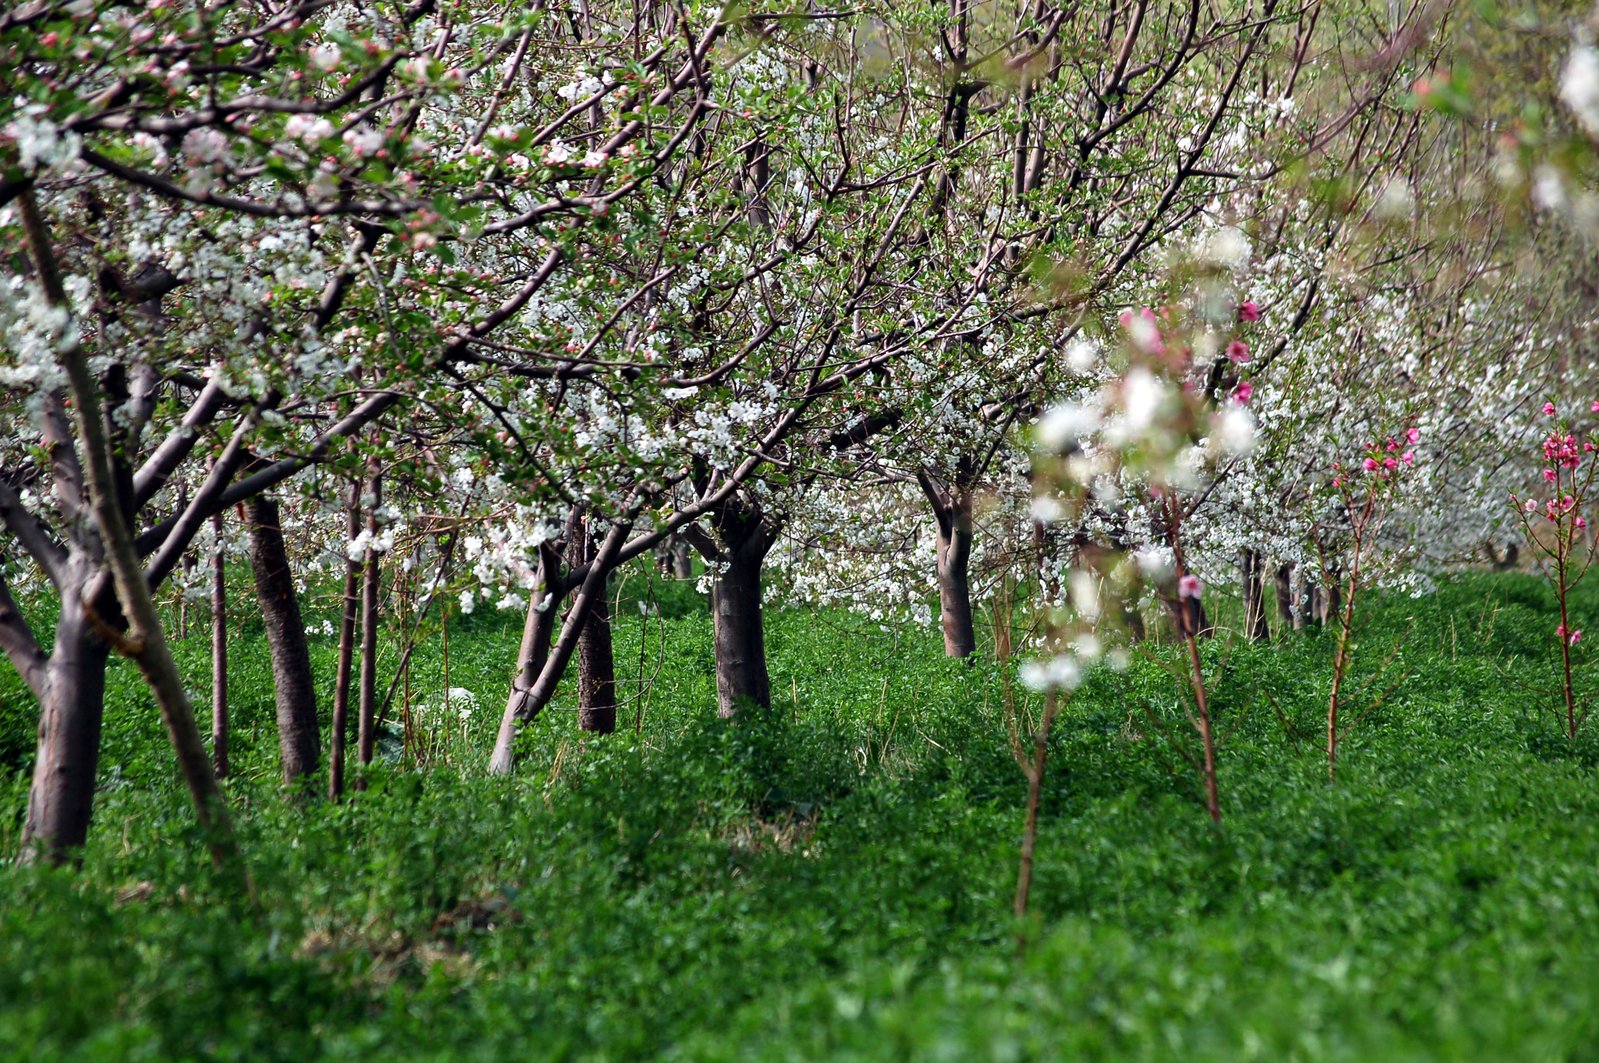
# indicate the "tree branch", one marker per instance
pixel 19 643
pixel 32 533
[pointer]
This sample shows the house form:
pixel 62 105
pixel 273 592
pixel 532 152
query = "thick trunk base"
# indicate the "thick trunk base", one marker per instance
pixel 740 636
pixel 596 666
pixel 299 738
pixel 61 799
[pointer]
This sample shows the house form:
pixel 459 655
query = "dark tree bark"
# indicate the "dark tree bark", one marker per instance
pixel 596 673
pixel 744 536
pixel 299 741
pixel 61 800
pixel 1253 568
pixel 371 584
pixel 189 563
pixel 219 653
pixel 1332 599
pixel 952 509
pixel 1285 596
pixel 110 496
pixel 529 696
pixel 596 666
pixel 739 628
pixel 1307 605
pixel 341 679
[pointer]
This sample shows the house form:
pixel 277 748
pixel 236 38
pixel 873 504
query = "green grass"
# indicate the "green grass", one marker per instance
pixel 834 882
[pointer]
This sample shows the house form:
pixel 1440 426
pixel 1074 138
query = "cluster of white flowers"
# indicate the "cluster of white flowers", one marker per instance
pixel 40 143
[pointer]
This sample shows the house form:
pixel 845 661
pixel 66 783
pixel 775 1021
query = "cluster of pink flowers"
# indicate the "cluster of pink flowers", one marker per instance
pixel 1549 408
pixel 1384 459
pixel 1238 352
pixel 1563 450
pixel 1143 327
pixel 1553 510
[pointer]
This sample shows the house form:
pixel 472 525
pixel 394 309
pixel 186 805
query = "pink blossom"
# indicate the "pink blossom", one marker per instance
pixel 1413 436
pixel 1190 586
pixel 1248 311
pixel 1549 475
pixel 1580 522
pixel 1243 392
pixel 1370 464
pixel 1142 330
pixel 1576 637
pixel 1549 409
pixel 1562 450
pixel 1408 457
pixel 363 139
pixel 1595 407
pixel 1390 464
pixel 1238 351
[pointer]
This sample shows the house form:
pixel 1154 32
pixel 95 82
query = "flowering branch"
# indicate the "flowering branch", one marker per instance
pixel 1569 470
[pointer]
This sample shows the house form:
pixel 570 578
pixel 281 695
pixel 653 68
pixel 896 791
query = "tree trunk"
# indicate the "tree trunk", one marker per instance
pixel 299 742
pixel 146 642
pixel 596 673
pixel 1133 621
pixel 1285 596
pixel 537 633
pixel 61 799
pixel 529 698
pixel 1307 609
pixel 371 583
pixel 341 679
pixel 682 560
pixel 740 635
pixel 189 562
pixel 1332 599
pixel 954 582
pixel 596 667
pixel 952 509
pixel 219 653
pixel 1253 567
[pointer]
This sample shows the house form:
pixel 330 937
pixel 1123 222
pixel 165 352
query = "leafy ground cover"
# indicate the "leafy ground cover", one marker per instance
pixel 834 882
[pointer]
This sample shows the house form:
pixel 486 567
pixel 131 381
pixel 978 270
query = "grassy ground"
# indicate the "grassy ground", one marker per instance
pixel 834 882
